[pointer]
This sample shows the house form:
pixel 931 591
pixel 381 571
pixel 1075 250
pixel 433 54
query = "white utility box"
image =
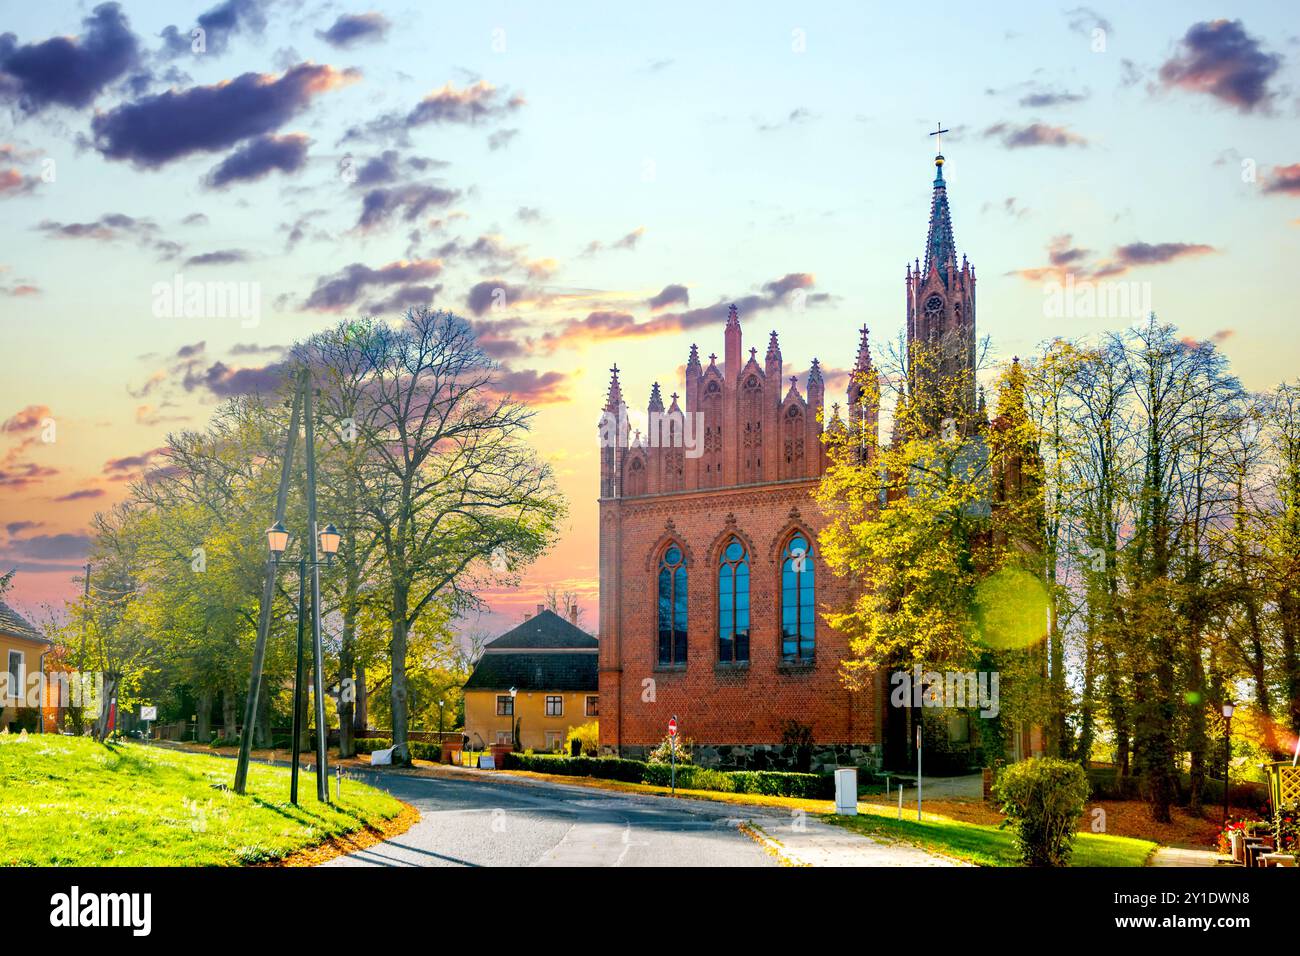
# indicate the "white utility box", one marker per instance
pixel 846 791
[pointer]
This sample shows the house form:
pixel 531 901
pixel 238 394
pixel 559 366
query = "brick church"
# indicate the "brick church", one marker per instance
pixel 711 588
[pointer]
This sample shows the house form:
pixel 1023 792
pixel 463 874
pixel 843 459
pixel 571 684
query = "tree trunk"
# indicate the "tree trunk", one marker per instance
pixel 229 712
pixel 1087 712
pixel 398 692
pixel 262 730
pixel 360 713
pixel 1118 713
pixel 347 653
pixel 1290 658
pixel 1197 742
pixel 106 707
pixel 204 705
pixel 303 703
pixel 1157 715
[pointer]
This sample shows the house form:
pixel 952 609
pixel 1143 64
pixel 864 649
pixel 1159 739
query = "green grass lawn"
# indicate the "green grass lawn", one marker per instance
pixel 68 801
pixel 986 845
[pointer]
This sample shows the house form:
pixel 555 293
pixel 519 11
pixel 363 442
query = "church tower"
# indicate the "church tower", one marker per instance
pixel 941 322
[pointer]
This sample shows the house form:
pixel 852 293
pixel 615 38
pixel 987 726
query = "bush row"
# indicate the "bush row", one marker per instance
pixel 689 777
pixel 419 748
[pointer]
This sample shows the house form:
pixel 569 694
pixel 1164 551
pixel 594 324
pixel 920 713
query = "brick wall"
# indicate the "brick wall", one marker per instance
pixel 736 706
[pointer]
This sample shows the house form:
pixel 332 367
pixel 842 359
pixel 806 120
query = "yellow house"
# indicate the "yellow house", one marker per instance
pixel 551 664
pixel 22 652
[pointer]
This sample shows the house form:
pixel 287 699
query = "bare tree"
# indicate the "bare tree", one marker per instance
pixel 449 480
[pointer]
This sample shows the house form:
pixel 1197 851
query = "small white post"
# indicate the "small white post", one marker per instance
pixel 918 771
pixel 900 800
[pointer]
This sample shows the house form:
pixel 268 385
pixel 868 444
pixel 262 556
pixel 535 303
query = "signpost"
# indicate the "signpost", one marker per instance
pixel 672 748
pixel 148 715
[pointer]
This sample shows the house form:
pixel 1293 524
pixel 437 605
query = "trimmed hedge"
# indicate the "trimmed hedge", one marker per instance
pixel 772 783
pixel 603 768
pixel 689 777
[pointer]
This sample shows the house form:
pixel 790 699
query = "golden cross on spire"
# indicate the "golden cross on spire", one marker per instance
pixel 938 134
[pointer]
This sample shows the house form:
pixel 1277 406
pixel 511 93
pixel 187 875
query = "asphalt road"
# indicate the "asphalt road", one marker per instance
pixel 481 823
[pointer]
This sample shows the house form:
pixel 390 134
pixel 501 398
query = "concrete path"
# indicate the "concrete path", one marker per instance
pixel 1187 856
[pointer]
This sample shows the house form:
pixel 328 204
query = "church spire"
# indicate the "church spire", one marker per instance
pixel 940 246
pixel 615 398
pixel 864 352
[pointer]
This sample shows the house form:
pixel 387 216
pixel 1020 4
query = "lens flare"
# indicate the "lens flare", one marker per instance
pixel 1011 610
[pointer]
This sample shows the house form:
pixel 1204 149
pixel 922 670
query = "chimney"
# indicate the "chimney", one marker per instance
pixel 573 614
pixel 541 608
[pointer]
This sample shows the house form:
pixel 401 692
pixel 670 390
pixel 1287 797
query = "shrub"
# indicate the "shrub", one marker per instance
pixel 663 753
pixel 1043 798
pixel 587 735
pixel 800 736
pixel 26 718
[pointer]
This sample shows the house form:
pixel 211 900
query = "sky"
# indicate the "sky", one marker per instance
pixel 592 184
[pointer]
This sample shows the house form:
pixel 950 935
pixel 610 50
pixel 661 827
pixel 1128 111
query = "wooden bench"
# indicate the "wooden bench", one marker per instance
pixel 1276 859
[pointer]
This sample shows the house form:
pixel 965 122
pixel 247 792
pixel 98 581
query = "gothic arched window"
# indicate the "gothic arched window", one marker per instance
pixel 733 603
pixel 798 597
pixel 672 606
pixel 636 478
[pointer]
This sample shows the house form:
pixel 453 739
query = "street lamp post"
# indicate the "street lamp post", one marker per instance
pixel 277 539
pixel 1228 708
pixel 440 705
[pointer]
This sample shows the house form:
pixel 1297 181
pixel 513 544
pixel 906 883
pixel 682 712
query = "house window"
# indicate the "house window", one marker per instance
pixel 593 705
pixel 15 677
pixel 733 604
pixel 554 739
pixel 672 606
pixel 798 594
pixel 554 705
pixel 505 705
pixel 506 737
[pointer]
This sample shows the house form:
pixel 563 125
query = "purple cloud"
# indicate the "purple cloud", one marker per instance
pixel 350 29
pixel 1221 59
pixel 155 130
pixel 68 71
pixel 344 287
pixel 258 157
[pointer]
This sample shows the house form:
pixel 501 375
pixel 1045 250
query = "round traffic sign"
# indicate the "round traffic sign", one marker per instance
pixel 672 727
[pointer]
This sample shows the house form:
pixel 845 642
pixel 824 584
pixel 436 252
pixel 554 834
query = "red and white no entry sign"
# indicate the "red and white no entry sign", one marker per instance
pixel 672 727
